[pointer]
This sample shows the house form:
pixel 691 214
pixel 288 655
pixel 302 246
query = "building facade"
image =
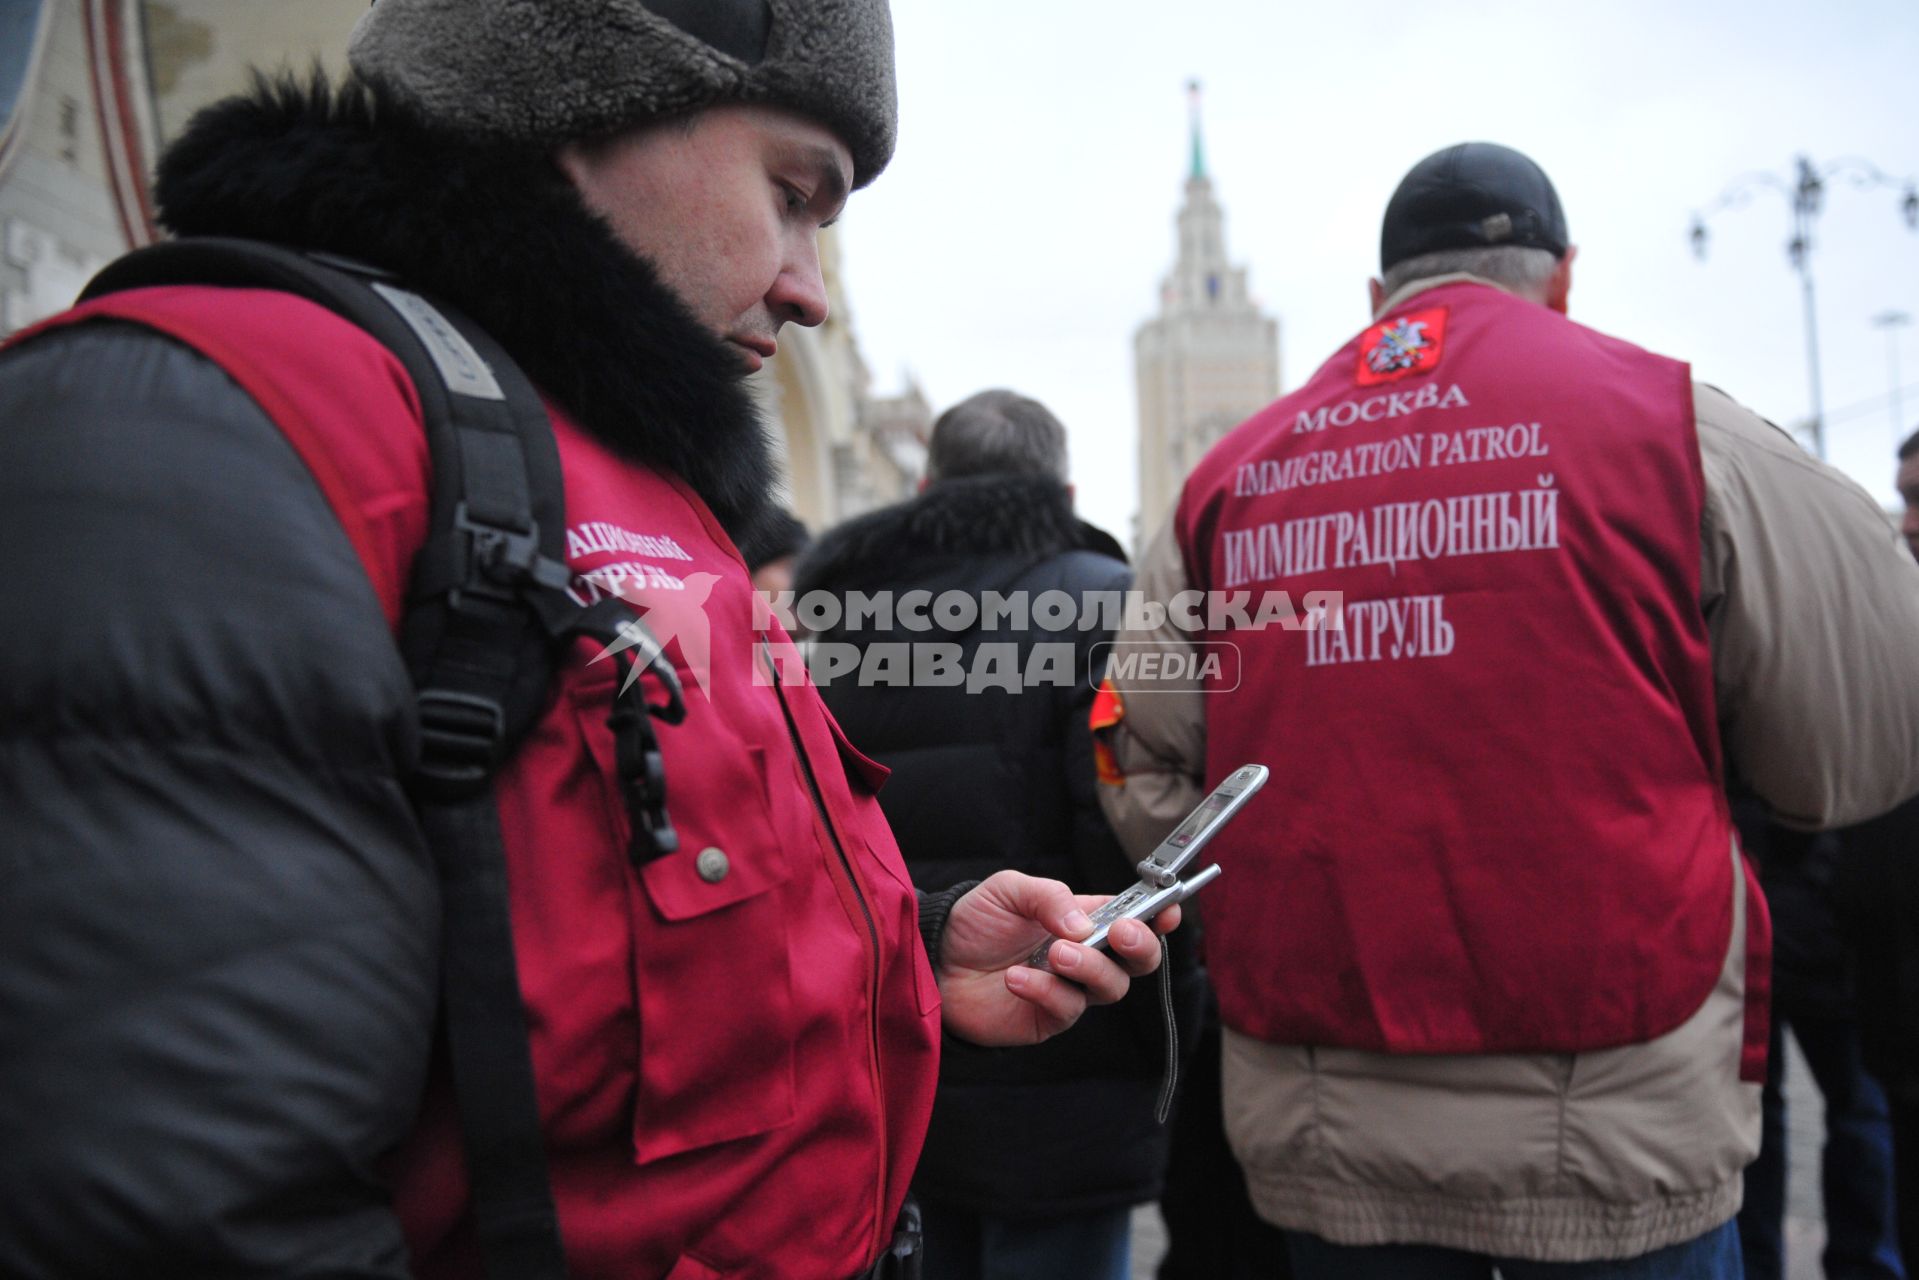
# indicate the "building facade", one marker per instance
pixel 80 131
pixel 843 451
pixel 91 90
pixel 1207 361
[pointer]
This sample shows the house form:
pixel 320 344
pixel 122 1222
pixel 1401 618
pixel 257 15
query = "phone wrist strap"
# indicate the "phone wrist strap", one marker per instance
pixel 1169 1080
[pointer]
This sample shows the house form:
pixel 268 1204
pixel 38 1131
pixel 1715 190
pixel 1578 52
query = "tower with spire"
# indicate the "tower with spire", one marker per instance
pixel 1208 360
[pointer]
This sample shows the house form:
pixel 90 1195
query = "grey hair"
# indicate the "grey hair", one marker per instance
pixel 1519 269
pixel 997 432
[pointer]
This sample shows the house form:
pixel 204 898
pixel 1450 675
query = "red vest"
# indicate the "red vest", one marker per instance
pixel 735 1077
pixel 1496 821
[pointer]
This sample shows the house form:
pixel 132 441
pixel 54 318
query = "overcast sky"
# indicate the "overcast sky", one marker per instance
pixel 1020 235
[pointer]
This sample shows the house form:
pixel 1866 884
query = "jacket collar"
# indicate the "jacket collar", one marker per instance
pixel 1412 288
pixel 499 233
pixel 995 515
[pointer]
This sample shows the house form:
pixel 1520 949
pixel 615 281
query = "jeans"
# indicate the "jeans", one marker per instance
pixel 1713 1256
pixel 1856 1167
pixel 962 1245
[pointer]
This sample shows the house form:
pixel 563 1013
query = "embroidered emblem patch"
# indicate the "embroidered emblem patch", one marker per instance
pixel 1401 347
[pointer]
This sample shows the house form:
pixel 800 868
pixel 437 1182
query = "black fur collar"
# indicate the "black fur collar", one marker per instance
pixel 995 515
pixel 498 233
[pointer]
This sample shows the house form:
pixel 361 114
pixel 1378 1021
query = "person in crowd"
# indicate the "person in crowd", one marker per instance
pixel 1491 963
pixel 1876 896
pixel 1813 994
pixel 1907 480
pixel 772 550
pixel 1034 1160
pixel 219 921
pixel 1212 1230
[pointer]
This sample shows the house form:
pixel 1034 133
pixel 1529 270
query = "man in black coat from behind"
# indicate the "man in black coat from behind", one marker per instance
pixel 976 695
pixel 1876 897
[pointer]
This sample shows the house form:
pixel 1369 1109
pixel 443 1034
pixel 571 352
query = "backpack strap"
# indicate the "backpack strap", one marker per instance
pixel 488 616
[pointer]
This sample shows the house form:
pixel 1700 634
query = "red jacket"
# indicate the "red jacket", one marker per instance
pixel 1497 820
pixel 735 1075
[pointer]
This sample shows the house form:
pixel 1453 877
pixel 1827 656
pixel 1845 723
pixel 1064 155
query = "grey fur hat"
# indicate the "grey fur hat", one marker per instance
pixel 547 71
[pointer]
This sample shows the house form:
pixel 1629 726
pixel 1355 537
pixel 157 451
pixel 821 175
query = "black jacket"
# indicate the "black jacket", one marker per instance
pixel 218 924
pixel 1876 899
pixel 993 778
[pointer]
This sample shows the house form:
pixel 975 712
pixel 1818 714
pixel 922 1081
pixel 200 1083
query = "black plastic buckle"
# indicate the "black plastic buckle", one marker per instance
pixel 653 833
pixel 460 738
pixel 491 560
pixel 642 771
pixel 672 705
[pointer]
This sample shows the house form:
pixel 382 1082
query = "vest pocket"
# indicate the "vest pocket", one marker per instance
pixel 710 960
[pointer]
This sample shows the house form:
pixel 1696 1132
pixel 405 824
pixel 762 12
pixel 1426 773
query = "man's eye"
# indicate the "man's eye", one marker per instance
pixel 792 197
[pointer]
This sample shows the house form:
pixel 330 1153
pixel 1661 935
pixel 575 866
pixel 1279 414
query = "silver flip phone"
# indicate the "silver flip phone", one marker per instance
pixel 1159 885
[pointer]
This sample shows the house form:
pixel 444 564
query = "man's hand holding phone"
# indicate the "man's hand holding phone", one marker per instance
pixel 1077 950
pixel 992 997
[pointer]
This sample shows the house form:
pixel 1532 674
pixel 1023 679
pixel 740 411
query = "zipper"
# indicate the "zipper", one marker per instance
pixel 883 1229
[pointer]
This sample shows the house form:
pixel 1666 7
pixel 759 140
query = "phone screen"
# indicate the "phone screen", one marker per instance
pixel 1209 808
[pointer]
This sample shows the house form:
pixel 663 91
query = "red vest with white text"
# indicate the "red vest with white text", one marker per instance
pixel 1496 821
pixel 735 1074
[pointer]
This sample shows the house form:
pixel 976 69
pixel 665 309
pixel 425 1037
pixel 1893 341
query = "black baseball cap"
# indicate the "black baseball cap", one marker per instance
pixel 1469 196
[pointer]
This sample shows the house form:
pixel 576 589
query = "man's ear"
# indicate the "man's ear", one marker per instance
pixel 1560 286
pixel 1376 294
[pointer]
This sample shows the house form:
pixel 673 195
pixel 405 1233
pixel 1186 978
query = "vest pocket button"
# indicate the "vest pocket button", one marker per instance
pixel 712 864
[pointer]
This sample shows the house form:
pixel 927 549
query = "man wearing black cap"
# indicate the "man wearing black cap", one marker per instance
pixel 1492 967
pixel 219 920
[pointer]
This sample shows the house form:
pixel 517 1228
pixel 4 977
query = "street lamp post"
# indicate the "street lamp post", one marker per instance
pixel 1805 194
pixel 1892 322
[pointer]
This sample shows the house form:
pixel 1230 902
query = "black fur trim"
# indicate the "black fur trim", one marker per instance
pixel 992 515
pixel 498 232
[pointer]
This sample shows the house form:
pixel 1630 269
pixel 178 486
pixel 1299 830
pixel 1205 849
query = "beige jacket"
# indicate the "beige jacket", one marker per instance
pixel 1812 607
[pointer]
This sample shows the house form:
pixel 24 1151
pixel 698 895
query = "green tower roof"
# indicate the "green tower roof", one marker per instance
pixel 1199 148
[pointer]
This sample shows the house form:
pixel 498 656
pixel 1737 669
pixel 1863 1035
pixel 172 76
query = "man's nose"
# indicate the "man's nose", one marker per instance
pixel 798 295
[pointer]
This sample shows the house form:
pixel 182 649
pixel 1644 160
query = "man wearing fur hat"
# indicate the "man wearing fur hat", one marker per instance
pixel 218 925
